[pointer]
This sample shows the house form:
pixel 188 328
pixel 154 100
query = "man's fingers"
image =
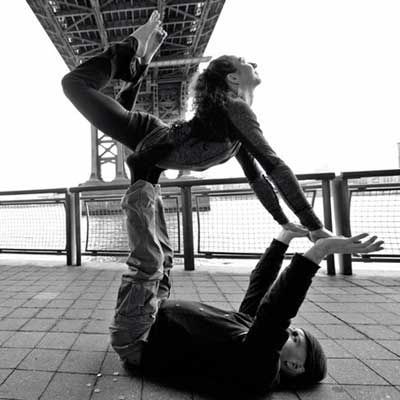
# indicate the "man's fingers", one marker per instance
pixel 357 238
pixel 367 242
pixel 372 247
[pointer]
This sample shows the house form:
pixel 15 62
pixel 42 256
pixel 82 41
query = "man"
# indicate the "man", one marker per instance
pixel 254 348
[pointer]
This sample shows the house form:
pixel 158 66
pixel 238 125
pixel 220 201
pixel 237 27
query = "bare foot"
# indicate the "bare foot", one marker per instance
pixel 154 43
pixel 144 33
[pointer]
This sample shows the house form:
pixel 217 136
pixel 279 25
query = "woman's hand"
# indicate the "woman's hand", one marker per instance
pixel 320 234
pixel 296 228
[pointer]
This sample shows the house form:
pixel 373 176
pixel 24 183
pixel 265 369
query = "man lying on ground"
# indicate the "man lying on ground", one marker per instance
pixel 254 348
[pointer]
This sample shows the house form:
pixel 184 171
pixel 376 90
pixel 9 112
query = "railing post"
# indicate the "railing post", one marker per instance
pixel 327 206
pixel 342 219
pixel 77 227
pixel 187 221
pixel 69 222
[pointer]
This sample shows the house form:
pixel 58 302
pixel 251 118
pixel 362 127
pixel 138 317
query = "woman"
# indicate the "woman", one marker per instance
pixel 223 125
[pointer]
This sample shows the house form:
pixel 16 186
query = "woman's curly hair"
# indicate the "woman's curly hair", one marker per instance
pixel 210 95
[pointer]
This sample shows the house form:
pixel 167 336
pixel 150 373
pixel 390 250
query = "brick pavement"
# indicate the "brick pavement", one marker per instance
pixel 54 338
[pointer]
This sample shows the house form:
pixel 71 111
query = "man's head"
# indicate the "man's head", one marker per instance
pixel 302 358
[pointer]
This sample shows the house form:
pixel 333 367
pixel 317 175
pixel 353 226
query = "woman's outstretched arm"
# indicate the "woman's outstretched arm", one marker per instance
pixel 247 129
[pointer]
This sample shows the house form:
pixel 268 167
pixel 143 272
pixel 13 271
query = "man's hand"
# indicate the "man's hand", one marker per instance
pixel 343 245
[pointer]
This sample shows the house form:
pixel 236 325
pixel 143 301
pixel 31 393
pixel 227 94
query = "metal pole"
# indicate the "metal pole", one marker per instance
pixel 342 219
pixel 187 221
pixel 77 215
pixel 68 224
pixel 327 206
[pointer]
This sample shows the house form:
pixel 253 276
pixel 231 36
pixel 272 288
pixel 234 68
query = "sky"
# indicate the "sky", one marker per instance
pixel 329 100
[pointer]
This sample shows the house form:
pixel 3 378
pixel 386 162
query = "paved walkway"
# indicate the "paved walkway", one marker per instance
pixel 54 343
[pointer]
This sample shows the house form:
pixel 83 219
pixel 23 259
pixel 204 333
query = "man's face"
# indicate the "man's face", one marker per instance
pixel 246 73
pixel 294 352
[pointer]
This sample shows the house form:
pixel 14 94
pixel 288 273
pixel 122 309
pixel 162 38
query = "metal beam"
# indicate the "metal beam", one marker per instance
pixel 179 61
pixel 99 21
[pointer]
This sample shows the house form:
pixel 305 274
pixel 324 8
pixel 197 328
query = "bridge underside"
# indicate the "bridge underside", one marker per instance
pixel 80 29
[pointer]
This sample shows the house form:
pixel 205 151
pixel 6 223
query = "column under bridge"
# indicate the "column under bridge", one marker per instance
pixel 80 29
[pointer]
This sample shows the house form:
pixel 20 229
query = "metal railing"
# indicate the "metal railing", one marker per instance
pixel 205 218
pixel 368 207
pixel 36 222
pixel 194 208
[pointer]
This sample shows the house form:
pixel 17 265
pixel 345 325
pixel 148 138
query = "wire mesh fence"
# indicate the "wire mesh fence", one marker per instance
pixel 104 227
pixel 377 211
pixel 231 223
pixel 33 225
pixel 237 223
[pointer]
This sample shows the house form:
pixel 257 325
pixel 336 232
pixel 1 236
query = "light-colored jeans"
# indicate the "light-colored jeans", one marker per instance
pixel 147 281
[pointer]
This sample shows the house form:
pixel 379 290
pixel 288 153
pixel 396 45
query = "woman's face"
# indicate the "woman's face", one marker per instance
pixel 247 73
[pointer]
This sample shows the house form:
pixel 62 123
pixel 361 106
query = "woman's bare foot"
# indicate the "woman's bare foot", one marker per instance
pixel 145 32
pixel 157 37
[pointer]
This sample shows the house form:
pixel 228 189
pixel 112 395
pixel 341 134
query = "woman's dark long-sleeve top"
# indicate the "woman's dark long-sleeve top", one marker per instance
pixel 227 347
pixel 244 138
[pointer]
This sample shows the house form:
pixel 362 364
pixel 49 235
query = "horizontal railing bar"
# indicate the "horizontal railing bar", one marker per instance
pixel 33 191
pixel 196 182
pixel 32 201
pixel 367 174
pixel 33 251
pixel 381 186
pixel 389 259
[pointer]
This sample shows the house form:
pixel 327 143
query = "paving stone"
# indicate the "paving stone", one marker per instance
pixel 39 324
pixel 4 335
pixel 68 296
pixel 24 339
pixel 378 332
pixel 13 303
pixel 70 325
pixel 91 342
pixel 57 340
pixel 27 385
pixel 309 307
pixel 51 313
pixel 324 392
pixel 320 318
pixel 78 313
pixel 389 369
pixel 393 307
pixel 335 331
pixel 5 311
pixel 91 304
pixel 366 349
pixel 36 303
pixel 23 312
pixel 352 307
pixel 10 357
pixel 333 350
pixel 4 374
pixel 152 391
pixel 43 360
pixel 128 387
pixel 102 314
pixel 87 362
pixel 354 318
pixel 69 387
pixel 350 371
pixel 111 364
pixel 12 324
pixel 97 326
pixel 385 318
pixel 373 392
